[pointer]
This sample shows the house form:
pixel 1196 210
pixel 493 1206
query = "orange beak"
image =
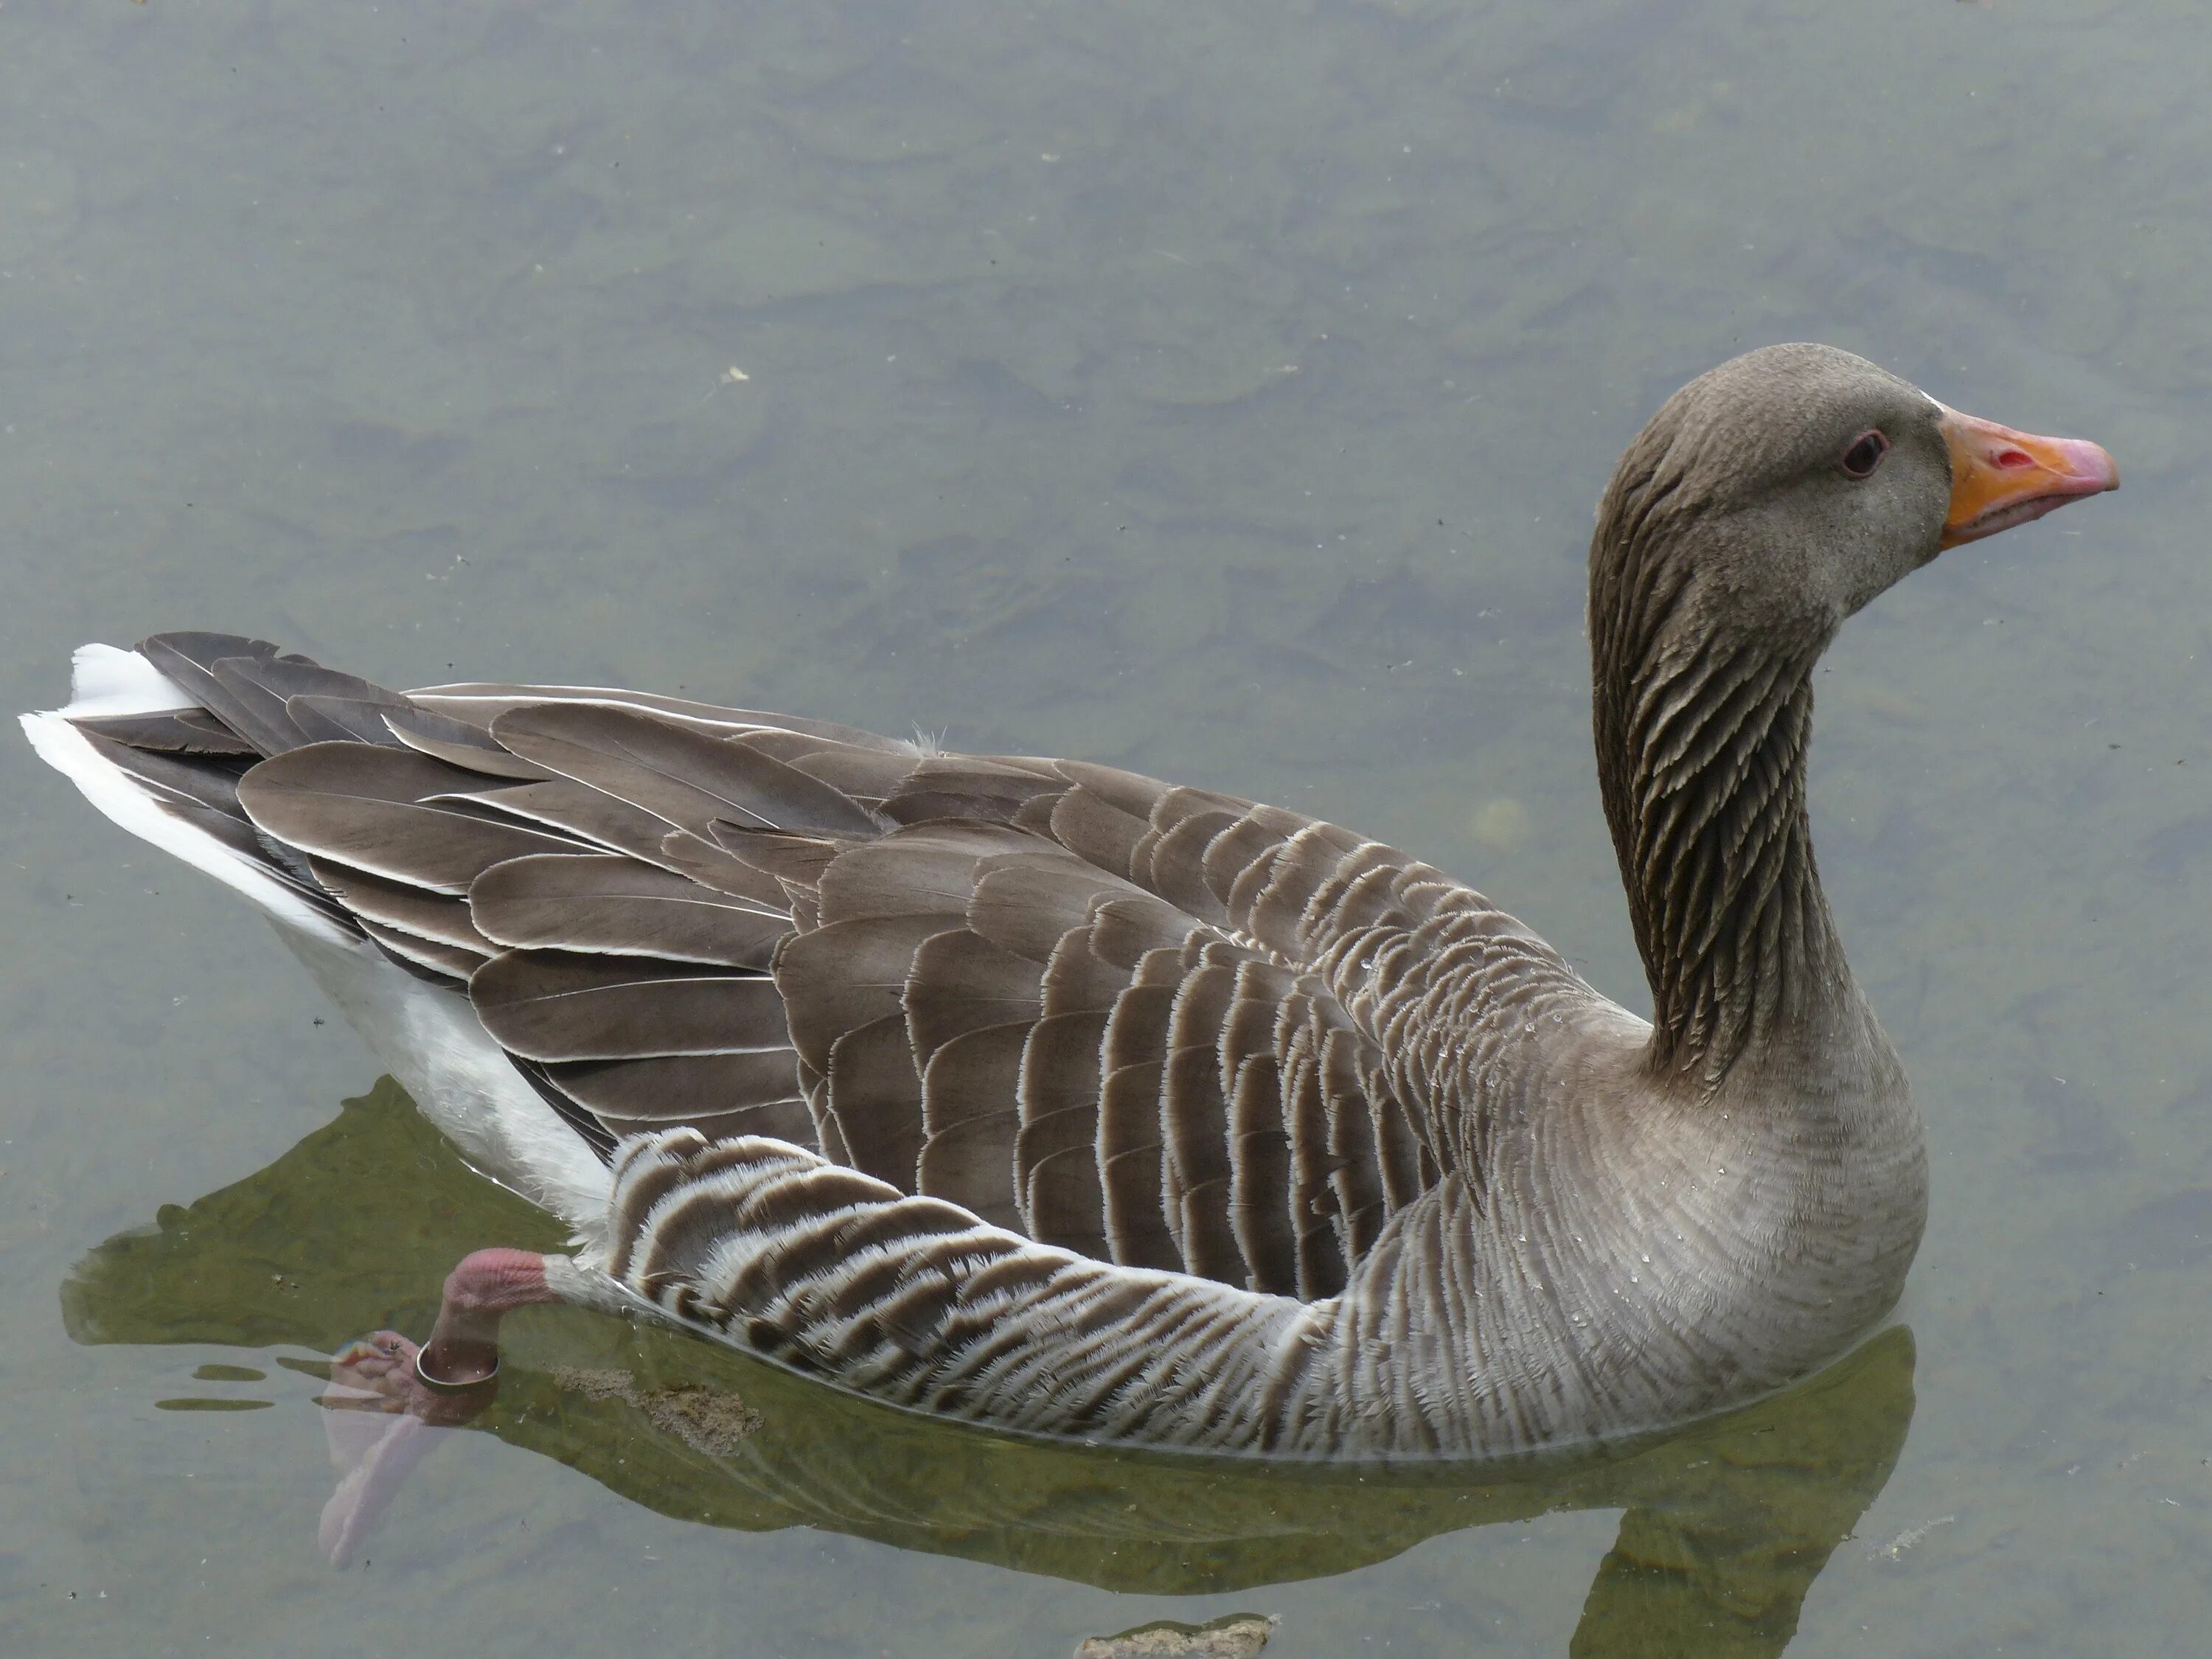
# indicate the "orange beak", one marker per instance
pixel 2001 477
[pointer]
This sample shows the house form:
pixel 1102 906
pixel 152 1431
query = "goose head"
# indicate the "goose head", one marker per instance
pixel 1795 483
pixel 1766 503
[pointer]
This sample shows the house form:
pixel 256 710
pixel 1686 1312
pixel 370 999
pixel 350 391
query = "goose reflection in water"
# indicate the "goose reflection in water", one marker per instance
pixel 1726 1524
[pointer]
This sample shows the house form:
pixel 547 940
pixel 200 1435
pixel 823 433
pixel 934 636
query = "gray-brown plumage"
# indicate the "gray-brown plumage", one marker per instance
pixel 1053 1096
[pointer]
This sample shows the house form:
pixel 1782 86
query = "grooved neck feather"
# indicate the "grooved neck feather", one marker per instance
pixel 1703 723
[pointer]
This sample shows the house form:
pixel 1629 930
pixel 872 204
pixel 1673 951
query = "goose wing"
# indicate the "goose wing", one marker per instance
pixel 1109 1013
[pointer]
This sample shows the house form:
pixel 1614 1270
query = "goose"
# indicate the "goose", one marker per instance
pixel 1076 1103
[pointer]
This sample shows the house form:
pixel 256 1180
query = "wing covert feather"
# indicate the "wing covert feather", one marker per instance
pixel 1142 1021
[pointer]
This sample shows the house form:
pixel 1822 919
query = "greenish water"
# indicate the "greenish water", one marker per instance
pixel 1219 391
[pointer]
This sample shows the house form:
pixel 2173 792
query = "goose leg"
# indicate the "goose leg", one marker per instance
pixel 417 1391
pixel 463 1352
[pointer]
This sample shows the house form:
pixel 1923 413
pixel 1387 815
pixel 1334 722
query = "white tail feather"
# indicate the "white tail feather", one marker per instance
pixel 109 682
pixel 104 680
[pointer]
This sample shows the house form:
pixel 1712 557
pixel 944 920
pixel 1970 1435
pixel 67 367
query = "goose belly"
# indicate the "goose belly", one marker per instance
pixel 429 1037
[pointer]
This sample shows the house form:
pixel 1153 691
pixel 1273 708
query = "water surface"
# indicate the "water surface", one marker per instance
pixel 1219 392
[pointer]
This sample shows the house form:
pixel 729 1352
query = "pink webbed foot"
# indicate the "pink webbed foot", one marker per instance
pixel 389 1400
pixel 380 1421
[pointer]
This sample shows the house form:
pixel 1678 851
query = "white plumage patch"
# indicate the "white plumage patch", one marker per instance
pixel 104 679
pixel 463 1081
pixel 108 682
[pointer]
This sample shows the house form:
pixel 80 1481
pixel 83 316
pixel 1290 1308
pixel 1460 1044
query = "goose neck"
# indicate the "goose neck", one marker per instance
pixel 1703 741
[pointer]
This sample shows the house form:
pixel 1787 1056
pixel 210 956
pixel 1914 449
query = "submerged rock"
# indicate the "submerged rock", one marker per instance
pixel 706 1419
pixel 1237 1637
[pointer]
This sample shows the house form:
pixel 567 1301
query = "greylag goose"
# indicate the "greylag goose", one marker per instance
pixel 1045 1095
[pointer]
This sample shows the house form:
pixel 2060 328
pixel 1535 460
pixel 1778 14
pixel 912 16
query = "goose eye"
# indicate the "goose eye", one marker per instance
pixel 1865 454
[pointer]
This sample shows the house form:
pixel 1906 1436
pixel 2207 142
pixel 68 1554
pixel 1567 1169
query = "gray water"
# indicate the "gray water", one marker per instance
pixel 1219 391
